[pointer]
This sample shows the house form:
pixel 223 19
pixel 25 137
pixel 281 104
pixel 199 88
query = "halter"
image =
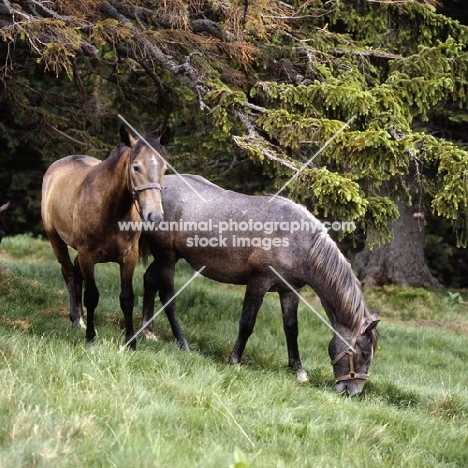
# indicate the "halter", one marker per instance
pixel 351 375
pixel 134 189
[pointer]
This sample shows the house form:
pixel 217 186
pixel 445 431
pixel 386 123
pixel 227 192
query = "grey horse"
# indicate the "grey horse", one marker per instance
pixel 268 244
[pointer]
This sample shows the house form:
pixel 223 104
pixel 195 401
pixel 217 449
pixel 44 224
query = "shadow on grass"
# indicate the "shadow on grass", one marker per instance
pixel 392 394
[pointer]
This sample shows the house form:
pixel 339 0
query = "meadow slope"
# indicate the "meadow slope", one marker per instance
pixel 64 403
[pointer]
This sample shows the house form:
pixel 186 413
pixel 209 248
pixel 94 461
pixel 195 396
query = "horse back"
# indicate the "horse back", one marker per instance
pixel 60 186
pixel 196 207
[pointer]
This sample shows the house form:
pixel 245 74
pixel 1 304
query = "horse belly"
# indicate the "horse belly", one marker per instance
pixel 219 272
pixel 224 264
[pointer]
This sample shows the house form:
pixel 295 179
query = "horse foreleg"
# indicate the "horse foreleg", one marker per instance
pixel 127 268
pixel 91 296
pixel 253 299
pixel 166 271
pixel 150 286
pixel 289 303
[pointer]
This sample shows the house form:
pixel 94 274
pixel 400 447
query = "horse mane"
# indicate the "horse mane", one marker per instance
pixel 338 281
pixel 117 152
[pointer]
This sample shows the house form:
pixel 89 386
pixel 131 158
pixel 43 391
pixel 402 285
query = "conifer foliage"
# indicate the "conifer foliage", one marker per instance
pixel 350 84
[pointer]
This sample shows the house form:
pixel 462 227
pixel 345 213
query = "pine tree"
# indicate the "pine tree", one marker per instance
pixel 339 94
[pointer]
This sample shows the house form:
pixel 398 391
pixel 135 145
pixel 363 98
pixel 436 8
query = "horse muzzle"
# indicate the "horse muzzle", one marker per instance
pixel 152 216
pixel 351 387
pixel 150 209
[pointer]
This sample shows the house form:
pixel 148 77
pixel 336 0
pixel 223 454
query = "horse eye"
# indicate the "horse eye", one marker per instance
pixel 136 168
pixel 364 355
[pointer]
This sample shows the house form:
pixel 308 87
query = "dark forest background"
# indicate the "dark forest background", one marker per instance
pixel 36 128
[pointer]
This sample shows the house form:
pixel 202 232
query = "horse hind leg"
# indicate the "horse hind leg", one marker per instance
pixel 78 290
pixel 289 303
pixel 91 295
pixel 69 275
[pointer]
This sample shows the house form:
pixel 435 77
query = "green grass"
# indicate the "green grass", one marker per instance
pixel 66 403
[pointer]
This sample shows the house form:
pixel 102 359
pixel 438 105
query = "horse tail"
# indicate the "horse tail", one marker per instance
pixel 3 224
pixel 143 250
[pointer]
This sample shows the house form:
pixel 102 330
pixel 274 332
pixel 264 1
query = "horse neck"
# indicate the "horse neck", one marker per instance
pixel 331 276
pixel 114 171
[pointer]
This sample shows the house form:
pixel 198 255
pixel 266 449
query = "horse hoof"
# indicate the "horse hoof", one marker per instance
pixel 149 335
pixel 79 324
pixel 131 344
pixel 234 360
pixel 183 345
pixel 302 376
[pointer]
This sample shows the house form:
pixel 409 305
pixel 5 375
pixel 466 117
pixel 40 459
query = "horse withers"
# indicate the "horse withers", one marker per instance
pixel 3 229
pixel 267 244
pixel 84 203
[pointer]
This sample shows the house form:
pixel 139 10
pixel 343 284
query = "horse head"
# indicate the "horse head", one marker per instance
pixel 3 209
pixel 146 167
pixel 351 353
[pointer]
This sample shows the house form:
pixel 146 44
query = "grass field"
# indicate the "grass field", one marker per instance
pixel 64 403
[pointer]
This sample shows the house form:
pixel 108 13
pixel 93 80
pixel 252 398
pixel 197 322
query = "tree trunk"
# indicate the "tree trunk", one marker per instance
pixel 401 261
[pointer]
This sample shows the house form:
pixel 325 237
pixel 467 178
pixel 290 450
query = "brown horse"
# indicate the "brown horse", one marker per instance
pixel 3 229
pixel 83 202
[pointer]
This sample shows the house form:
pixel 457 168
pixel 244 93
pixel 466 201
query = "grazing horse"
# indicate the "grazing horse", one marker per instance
pixel 84 202
pixel 267 244
pixel 3 228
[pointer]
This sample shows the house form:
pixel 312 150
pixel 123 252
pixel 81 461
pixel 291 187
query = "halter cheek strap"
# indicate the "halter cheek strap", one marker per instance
pixel 134 189
pixel 352 374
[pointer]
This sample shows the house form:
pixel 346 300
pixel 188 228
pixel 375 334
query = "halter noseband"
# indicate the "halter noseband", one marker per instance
pixel 351 375
pixel 140 188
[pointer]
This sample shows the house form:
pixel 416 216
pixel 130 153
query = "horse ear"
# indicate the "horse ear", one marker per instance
pixel 165 136
pixel 126 138
pixel 4 207
pixel 370 325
